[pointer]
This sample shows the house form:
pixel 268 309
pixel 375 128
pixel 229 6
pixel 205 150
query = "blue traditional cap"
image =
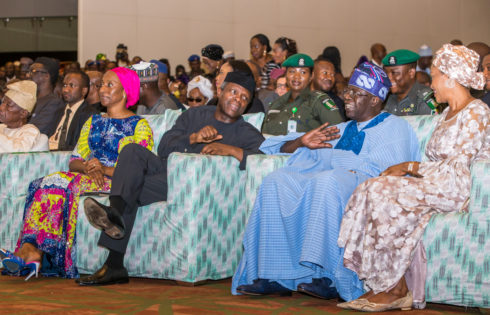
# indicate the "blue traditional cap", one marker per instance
pixel 371 79
pixel 194 58
pixel 162 68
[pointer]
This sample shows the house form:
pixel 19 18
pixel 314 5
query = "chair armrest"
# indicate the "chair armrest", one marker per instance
pixel 480 186
pixel 19 169
pixel 258 167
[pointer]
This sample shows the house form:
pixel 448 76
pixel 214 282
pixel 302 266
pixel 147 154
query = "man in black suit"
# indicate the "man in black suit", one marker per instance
pixel 49 107
pixel 76 85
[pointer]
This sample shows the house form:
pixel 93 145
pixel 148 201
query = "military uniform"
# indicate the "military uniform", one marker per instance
pixel 419 101
pixel 314 108
pixel 420 98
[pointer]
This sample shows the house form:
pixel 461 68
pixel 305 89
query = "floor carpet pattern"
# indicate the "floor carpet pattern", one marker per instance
pixel 150 296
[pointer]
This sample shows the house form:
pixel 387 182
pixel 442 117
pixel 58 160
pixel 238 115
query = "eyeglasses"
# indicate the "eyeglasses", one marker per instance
pixel 34 71
pixel 197 100
pixel 353 94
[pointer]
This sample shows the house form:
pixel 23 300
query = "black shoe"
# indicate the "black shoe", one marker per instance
pixel 320 288
pixel 263 287
pixel 105 276
pixel 104 218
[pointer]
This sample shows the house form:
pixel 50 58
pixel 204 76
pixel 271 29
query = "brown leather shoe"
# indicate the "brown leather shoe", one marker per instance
pixel 105 276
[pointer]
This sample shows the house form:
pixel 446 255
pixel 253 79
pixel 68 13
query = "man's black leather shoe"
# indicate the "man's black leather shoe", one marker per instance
pixel 263 287
pixel 104 218
pixel 105 276
pixel 320 288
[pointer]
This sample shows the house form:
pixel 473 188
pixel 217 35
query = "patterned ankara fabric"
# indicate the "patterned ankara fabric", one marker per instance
pixel 51 207
pixel 291 235
pixel 386 216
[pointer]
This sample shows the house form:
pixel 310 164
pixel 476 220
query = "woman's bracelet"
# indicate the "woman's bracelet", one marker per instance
pixel 410 167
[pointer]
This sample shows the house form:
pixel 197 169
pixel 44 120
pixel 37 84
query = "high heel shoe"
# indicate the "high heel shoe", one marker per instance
pixel 33 267
pixel 14 264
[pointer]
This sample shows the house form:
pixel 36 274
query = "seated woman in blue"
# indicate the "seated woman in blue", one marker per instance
pixel 51 208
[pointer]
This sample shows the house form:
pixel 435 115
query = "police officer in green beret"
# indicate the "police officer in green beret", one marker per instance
pixel 408 97
pixel 300 110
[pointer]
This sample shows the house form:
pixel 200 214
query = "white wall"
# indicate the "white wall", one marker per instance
pixel 175 29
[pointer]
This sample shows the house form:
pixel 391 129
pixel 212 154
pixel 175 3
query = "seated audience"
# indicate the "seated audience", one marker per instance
pixel 212 57
pixel 282 49
pixel 16 135
pixel 48 108
pixel 195 65
pixel 152 101
pixel 332 54
pixel 164 81
pixel 140 177
pixel 378 52
pixel 93 92
pixel 425 60
pixel 423 78
pixel 324 81
pixel 275 89
pixel 486 71
pixel 290 240
pixel 199 92
pixel 408 97
pixel 181 75
pixel 299 109
pixel 75 88
pixel 259 55
pixel 10 71
pixel 386 216
pixel 54 199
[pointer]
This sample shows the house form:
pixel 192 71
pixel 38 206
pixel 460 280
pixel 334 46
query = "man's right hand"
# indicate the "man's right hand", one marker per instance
pixel 207 134
pixel 316 138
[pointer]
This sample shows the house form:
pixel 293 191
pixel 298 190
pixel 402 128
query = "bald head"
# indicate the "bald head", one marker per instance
pixel 481 48
pixel 378 52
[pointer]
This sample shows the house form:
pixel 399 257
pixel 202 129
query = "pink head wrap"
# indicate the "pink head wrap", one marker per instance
pixel 461 64
pixel 131 84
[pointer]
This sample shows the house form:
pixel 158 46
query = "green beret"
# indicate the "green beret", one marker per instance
pixel 299 60
pixel 400 57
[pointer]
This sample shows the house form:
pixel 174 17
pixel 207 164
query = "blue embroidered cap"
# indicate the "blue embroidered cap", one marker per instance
pixel 371 79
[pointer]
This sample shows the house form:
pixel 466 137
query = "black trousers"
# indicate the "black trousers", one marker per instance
pixel 140 178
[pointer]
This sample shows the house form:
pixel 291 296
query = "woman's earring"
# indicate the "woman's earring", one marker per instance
pixel 450 83
pixel 264 53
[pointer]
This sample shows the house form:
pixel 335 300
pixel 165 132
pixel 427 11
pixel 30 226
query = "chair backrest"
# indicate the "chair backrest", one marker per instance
pixel 162 123
pixel 423 126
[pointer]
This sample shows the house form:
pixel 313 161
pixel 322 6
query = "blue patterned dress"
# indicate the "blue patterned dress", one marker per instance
pixel 51 208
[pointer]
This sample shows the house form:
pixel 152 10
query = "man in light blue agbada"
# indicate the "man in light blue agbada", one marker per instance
pixel 290 240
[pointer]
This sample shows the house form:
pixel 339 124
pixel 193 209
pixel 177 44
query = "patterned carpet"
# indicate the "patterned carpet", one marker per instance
pixel 148 296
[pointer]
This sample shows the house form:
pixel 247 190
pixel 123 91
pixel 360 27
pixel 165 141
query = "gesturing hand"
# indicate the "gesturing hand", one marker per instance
pixel 205 135
pixel 316 138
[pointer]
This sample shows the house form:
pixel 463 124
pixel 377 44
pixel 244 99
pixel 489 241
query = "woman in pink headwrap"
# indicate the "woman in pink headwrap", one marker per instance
pixel 386 216
pixel 50 216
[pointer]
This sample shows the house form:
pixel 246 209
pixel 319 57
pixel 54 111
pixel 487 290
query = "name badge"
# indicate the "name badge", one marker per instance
pixel 292 124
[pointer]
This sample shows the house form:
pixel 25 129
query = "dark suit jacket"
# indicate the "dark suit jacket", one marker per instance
pixel 83 113
pixel 47 114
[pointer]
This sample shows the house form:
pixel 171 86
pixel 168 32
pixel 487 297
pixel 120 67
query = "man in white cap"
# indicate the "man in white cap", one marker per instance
pixel 152 100
pixel 15 134
pixel 423 64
